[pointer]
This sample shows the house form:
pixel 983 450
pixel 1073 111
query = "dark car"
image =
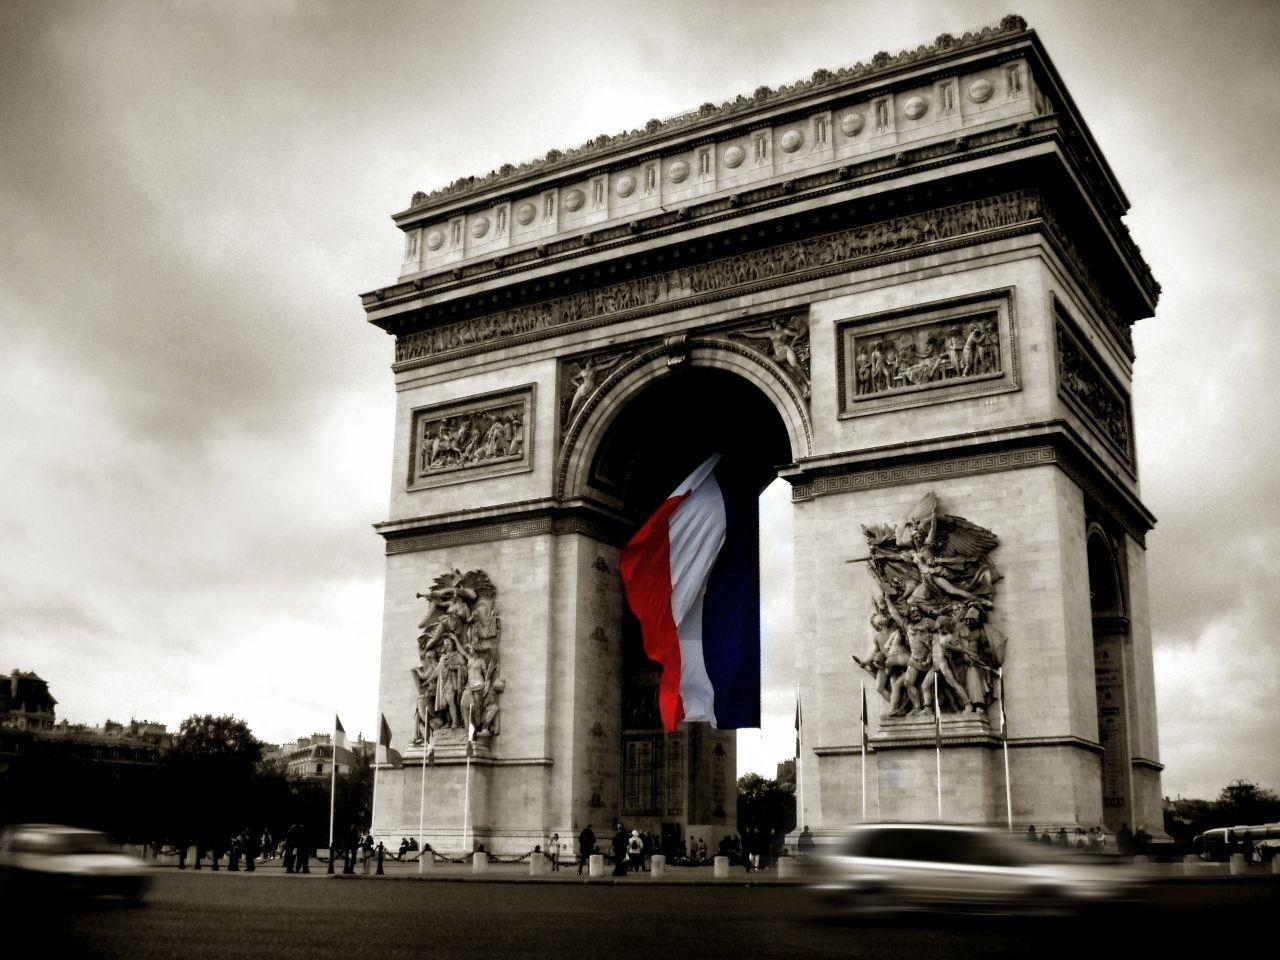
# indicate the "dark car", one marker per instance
pixel 888 866
pixel 44 863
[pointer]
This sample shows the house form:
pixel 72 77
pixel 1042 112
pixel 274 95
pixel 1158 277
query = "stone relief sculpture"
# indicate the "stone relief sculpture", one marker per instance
pixel 720 277
pixel 786 343
pixel 926 354
pixel 457 673
pixel 586 377
pixel 469 439
pixel 1083 382
pixel 930 616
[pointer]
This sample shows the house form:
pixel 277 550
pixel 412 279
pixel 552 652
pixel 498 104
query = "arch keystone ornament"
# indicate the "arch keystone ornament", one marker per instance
pixel 939 365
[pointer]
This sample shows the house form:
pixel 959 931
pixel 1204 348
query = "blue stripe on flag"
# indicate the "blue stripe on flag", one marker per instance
pixel 731 610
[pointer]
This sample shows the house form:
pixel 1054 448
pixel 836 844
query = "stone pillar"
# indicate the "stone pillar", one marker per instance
pixel 479 862
pixel 1237 864
pixel 426 861
pixel 595 865
pixel 657 866
pixel 537 864
pixel 788 867
pixel 721 867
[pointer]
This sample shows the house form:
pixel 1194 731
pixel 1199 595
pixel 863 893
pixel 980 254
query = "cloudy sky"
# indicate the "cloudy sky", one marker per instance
pixel 195 419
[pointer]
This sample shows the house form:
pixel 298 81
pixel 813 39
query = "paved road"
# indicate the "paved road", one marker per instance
pixel 228 915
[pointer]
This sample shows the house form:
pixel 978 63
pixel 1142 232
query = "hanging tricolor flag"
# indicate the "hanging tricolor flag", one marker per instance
pixel 691 576
pixel 384 754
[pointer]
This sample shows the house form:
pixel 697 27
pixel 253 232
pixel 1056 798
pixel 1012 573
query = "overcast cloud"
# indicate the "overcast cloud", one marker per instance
pixel 196 419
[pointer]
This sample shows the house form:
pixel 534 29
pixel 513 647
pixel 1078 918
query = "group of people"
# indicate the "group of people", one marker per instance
pixel 1080 839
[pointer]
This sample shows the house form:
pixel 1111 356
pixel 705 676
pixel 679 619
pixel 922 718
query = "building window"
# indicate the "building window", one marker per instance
pixel 319 768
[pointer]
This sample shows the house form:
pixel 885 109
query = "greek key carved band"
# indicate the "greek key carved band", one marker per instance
pixel 875 478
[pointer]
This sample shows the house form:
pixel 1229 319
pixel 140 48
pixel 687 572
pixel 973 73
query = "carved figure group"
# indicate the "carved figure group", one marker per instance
pixel 457 675
pixel 930 622
pixel 1081 378
pixel 786 343
pixel 470 439
pixel 927 354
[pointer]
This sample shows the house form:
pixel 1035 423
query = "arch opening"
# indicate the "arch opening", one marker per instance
pixel 681 787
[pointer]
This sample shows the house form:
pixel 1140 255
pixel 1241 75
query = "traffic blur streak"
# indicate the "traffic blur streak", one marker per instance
pixel 45 866
pixel 877 869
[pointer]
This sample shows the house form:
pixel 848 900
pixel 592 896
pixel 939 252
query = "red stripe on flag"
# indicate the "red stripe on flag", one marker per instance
pixel 645 566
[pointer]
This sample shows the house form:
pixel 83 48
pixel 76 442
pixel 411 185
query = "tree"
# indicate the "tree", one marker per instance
pixel 210 773
pixel 765 805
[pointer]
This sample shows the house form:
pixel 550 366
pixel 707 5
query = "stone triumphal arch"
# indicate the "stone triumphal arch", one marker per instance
pixel 905 288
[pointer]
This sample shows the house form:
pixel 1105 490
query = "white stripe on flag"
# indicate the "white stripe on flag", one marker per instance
pixel 696 534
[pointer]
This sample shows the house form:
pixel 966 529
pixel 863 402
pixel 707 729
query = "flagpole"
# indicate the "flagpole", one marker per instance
pixel 937 720
pixel 333 788
pixel 1004 742
pixel 863 686
pixel 422 798
pixel 799 753
pixel 466 793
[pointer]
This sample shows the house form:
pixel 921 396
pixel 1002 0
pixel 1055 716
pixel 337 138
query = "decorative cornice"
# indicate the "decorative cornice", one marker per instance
pixel 1051 443
pixel 969 740
pixel 513 522
pixel 932 231
pixel 881 65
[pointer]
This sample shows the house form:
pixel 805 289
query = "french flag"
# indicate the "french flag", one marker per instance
pixel 691 576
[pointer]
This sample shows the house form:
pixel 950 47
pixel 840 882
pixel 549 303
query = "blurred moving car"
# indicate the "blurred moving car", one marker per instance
pixel 39 861
pixel 889 866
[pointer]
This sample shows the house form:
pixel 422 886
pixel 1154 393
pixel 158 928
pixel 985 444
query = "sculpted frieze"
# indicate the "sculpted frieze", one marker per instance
pixel 728 274
pixel 933 641
pixel 1082 382
pixel 785 342
pixel 943 352
pixel 460 441
pixel 581 377
pixel 457 681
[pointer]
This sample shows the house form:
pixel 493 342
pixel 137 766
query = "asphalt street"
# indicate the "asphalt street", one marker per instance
pixel 229 915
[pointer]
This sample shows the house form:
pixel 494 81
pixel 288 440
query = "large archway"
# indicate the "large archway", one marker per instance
pixel 680 786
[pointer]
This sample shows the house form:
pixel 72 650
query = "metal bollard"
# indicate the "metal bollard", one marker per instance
pixel 331 859
pixel 379 871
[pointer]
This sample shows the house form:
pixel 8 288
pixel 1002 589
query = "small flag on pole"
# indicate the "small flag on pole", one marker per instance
pixel 1003 721
pixel 864 717
pixel 384 753
pixel 799 721
pixel 339 738
pixel 937 715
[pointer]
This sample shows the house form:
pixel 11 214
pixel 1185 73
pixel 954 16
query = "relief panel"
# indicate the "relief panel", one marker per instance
pixel 483 436
pixel 960 348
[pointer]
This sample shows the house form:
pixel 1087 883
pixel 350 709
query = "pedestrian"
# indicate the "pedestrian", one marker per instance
pixel 620 852
pixel 1124 839
pixel 1032 837
pixel 1060 838
pixel 586 847
pixel 635 852
pixel 806 842
pixel 553 850
pixel 702 850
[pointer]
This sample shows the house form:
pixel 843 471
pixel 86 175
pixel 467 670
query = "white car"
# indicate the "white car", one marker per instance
pixel 40 861
pixel 888 866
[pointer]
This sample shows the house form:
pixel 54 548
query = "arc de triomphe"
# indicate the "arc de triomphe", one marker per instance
pixel 905 287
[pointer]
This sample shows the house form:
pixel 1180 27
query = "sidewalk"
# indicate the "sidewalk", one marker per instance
pixel 494 872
